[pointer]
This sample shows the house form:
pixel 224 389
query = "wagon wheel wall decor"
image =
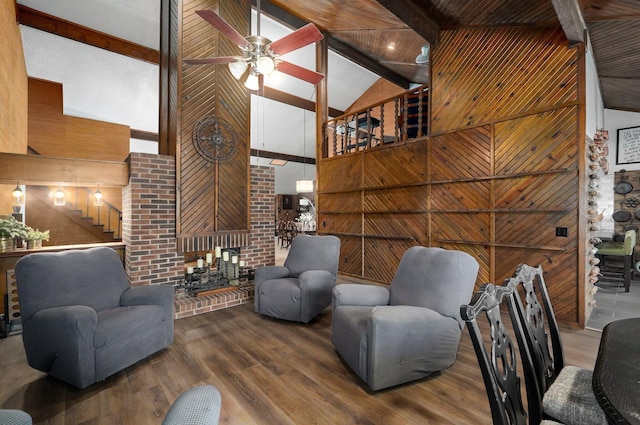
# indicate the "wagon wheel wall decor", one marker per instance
pixel 214 139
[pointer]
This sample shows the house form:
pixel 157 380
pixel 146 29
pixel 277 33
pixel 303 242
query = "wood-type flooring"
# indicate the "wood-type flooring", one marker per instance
pixel 268 371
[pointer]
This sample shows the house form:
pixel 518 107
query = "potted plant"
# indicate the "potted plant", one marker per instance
pixel 35 237
pixel 10 231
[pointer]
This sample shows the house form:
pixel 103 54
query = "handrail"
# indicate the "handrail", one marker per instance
pixel 113 222
pixel 392 120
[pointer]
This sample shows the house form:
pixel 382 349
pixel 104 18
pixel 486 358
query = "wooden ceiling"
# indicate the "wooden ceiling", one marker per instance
pixel 364 30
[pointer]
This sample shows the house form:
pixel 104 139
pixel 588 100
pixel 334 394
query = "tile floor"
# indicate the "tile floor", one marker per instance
pixel 613 304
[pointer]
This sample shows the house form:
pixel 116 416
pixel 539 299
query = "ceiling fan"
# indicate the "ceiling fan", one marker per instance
pixel 261 56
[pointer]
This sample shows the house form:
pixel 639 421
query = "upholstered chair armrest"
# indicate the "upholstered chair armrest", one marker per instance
pixel 357 294
pixel 270 272
pixel 161 295
pixel 401 335
pixel 56 339
pixel 263 274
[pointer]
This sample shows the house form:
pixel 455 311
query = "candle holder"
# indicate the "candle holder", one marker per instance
pixel 202 277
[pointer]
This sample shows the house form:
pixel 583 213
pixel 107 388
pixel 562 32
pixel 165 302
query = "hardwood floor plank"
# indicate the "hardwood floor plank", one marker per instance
pixel 268 372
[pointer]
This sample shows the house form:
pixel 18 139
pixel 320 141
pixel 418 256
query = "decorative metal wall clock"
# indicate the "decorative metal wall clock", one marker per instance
pixel 214 139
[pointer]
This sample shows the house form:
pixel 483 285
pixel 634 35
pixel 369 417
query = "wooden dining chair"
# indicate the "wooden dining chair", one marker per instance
pixel 566 391
pixel 498 360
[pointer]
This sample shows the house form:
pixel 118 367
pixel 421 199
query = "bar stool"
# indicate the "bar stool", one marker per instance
pixel 616 259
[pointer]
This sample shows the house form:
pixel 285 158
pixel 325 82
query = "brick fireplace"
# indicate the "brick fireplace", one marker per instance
pixel 152 254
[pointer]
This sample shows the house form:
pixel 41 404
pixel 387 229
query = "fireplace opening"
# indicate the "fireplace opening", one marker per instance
pixel 216 271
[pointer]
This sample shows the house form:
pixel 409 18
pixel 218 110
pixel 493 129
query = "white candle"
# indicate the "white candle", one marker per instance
pixel 218 252
pixel 241 263
pixel 189 270
pixel 209 258
pixel 200 263
pixel 234 259
pixel 225 256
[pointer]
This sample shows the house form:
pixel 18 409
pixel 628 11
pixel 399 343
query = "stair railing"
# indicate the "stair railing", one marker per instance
pixel 113 221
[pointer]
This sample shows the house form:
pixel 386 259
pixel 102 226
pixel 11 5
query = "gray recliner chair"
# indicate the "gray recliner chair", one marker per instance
pixel 301 289
pixel 394 334
pixel 81 321
pixel 14 417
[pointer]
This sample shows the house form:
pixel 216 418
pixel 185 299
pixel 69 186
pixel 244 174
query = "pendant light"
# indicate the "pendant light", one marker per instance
pixel 304 185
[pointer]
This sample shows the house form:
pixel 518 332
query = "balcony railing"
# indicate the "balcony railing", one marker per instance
pixel 393 120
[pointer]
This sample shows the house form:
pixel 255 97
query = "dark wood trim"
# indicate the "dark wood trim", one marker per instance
pixel 413 13
pixel 45 22
pixel 144 135
pixel 289 99
pixel 334 44
pixel 283 156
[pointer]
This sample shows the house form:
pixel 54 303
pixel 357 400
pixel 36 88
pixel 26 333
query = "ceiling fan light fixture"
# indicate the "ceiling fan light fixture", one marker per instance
pixel 252 82
pixel 238 68
pixel 265 65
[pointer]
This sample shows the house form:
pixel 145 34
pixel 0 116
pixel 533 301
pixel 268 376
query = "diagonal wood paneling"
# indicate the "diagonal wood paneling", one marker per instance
pixel 349 224
pixel 461 196
pixel 497 190
pixel 382 256
pixel 451 158
pixel 348 202
pixel 410 226
pixel 350 255
pixel 487 74
pixel 400 199
pixel 560 273
pixel 212 197
pixel 342 175
pixel 382 169
pixel 539 142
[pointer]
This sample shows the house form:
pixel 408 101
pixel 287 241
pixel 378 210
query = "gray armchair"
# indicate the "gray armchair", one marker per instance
pixel 394 334
pixel 301 289
pixel 81 321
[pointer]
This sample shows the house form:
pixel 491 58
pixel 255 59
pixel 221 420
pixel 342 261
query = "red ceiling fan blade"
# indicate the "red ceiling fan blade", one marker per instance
pixel 212 61
pixel 221 25
pixel 299 72
pixel 297 39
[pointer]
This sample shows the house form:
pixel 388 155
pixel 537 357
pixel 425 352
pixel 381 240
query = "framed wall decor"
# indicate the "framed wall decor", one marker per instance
pixel 628 151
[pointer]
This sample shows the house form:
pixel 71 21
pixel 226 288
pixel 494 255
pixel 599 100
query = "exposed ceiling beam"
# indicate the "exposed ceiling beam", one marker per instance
pixel 39 170
pixel 42 21
pixel 283 156
pixel 334 44
pixel 570 17
pixel 289 99
pixel 412 12
pixel 54 25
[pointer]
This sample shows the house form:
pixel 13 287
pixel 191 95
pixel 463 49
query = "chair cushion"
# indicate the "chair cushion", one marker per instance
pixel 611 248
pixel 570 399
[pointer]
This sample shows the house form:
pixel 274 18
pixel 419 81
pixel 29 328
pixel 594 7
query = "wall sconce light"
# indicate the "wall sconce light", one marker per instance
pixel 18 195
pixel 59 198
pixel 98 199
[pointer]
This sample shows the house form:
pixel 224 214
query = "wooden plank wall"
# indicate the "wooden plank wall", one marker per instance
pixel 52 133
pixel 212 197
pixel 501 170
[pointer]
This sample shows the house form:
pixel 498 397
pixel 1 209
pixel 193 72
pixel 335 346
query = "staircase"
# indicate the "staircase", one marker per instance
pixel 78 221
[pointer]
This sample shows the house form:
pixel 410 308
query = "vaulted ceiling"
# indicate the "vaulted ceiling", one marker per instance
pixel 390 33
